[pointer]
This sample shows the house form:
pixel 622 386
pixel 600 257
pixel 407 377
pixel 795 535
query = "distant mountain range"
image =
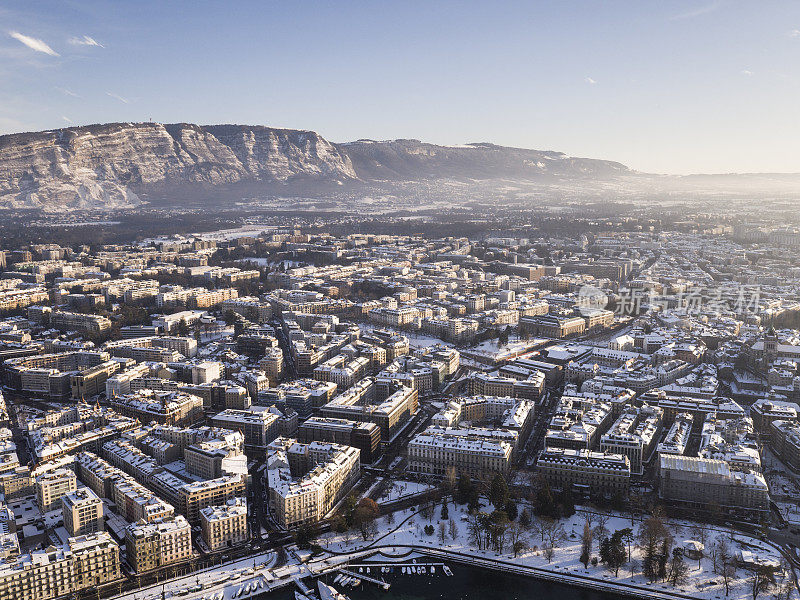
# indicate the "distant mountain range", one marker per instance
pixel 113 165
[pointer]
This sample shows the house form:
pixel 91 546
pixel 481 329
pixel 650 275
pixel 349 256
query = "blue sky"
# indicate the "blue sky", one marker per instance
pixel 671 86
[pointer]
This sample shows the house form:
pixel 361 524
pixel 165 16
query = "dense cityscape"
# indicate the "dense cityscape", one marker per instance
pixel 270 403
pixel 451 300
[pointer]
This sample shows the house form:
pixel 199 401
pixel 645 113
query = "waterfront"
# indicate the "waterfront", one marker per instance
pixel 468 582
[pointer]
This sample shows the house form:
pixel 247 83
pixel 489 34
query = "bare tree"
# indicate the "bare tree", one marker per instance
pixel 538 526
pixel 762 578
pixel 728 573
pixel 699 533
pixel 453 530
pixel 713 554
pixel 723 552
pixel 601 529
pixel 549 551
pixel 515 533
pixel 554 533
pixel 449 481
pixel 634 567
pixel 442 532
pixel 784 590
pixel 364 516
pixel 589 516
pixel 548 529
pixel 427 510
pixel 475 531
pixel 521 545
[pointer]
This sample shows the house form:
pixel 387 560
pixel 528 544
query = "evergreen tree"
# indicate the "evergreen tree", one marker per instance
pixel 498 493
pixel 511 510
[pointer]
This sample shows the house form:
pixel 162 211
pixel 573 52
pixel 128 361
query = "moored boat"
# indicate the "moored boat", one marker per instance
pixel 326 592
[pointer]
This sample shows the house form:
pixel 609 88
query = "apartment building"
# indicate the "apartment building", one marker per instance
pixel 677 437
pixel 250 308
pixel 784 441
pixel 50 375
pixel 166 408
pixel 91 382
pixel 341 371
pixel 634 434
pixel 722 407
pixel 50 487
pixel 155 348
pixel 83 562
pixel 433 454
pixel 553 326
pixel 158 543
pixel 529 384
pixel 191 498
pixel 301 395
pixel 272 364
pixel 120 384
pixel 585 472
pixel 258 424
pixel 224 526
pixel 305 481
pixel 765 411
pixel 213 458
pixel 701 482
pixel 83 512
pixel 358 434
pixel 360 403
pixel 578 423
pixel 69 321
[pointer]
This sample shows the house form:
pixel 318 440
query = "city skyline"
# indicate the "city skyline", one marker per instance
pixel 680 88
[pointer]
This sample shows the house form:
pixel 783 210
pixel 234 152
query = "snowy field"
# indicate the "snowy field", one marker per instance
pixel 407 528
pixel 415 339
pixel 401 489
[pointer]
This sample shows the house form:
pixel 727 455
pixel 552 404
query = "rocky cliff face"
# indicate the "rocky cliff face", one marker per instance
pixel 108 166
pixel 104 166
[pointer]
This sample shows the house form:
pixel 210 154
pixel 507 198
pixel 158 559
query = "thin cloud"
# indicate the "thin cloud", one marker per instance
pixel 67 92
pixel 66 119
pixel 85 41
pixel 589 80
pixel 33 43
pixel 794 33
pixel 697 12
pixel 117 97
pixel 747 72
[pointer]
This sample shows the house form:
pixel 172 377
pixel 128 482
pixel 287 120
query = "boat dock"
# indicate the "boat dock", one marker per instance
pixel 379 582
pixel 303 587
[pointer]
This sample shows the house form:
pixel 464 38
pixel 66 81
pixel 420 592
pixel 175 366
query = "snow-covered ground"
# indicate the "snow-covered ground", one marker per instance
pixel 216 334
pixel 702 582
pixel 790 512
pixel 781 485
pixel 225 579
pixel 401 489
pixel 415 339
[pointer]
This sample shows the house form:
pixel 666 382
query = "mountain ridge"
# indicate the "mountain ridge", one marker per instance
pixel 108 165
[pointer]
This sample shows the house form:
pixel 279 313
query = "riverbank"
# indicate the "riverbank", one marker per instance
pixel 403 539
pixel 405 532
